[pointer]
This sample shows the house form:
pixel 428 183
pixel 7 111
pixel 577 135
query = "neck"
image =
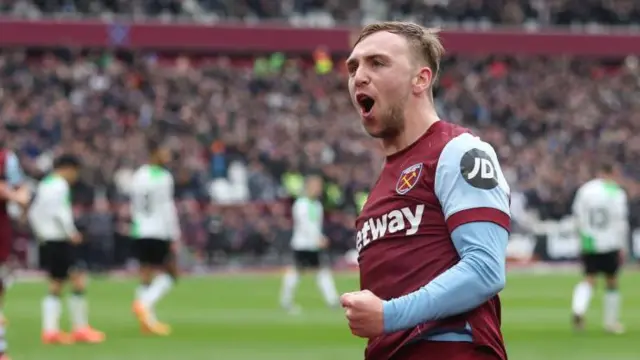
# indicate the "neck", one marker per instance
pixel 607 178
pixel 416 123
pixel 59 174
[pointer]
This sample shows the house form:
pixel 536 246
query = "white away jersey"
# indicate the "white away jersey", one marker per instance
pixel 307 224
pixel 153 210
pixel 600 210
pixel 50 214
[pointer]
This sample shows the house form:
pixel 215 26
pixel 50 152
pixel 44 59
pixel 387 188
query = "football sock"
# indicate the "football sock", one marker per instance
pixel 140 291
pixel 51 313
pixel 611 307
pixel 327 287
pixel 78 310
pixel 159 287
pixel 289 284
pixel 581 298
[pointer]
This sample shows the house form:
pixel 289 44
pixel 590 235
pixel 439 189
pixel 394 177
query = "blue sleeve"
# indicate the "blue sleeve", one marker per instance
pixel 470 185
pixel 478 276
pixel 13 171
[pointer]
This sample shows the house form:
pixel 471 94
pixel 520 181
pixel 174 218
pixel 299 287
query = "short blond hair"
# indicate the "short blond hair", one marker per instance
pixel 425 42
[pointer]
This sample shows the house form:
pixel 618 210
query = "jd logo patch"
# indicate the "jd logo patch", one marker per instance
pixel 478 170
pixel 408 178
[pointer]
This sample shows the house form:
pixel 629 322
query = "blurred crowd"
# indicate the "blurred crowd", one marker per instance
pixel 244 133
pixel 332 12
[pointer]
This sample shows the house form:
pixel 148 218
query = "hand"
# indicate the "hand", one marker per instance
pixel 365 314
pixel 622 256
pixel 76 239
pixel 22 196
pixel 175 247
pixel 324 242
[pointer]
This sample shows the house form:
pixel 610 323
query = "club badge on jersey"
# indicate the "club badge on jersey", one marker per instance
pixel 409 178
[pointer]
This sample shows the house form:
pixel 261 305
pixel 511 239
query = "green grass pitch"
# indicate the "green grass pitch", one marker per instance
pixel 237 317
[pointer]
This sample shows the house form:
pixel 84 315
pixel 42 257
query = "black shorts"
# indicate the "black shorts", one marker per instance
pixel 59 258
pixel 306 259
pixel 605 263
pixel 154 252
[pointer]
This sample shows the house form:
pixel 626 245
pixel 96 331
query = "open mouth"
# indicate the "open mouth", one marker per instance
pixel 366 103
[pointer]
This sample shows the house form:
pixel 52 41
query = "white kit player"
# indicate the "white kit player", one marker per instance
pixel 51 218
pixel 155 232
pixel 308 243
pixel 600 211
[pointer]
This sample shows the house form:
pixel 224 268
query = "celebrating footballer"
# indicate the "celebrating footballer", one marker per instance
pixel 432 235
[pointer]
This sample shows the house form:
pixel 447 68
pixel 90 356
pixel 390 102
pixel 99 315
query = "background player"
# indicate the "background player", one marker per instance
pixel 51 218
pixel 11 178
pixel 156 230
pixel 307 243
pixel 433 233
pixel 600 211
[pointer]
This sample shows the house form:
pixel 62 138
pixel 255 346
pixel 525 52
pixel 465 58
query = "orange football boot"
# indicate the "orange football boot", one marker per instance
pixel 4 357
pixel 88 335
pixel 57 337
pixel 158 328
pixel 148 324
pixel 143 314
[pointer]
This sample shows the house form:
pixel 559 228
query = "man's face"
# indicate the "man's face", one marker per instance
pixel 163 156
pixel 72 174
pixel 314 186
pixel 380 76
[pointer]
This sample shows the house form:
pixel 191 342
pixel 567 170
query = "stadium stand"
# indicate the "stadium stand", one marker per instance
pixel 247 120
pixel 332 12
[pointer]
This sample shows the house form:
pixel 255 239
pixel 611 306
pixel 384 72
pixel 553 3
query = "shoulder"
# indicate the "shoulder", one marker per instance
pixel 11 157
pixel 470 158
pixel 139 172
pixel 299 203
pixel 168 176
pixel 585 188
pixel 465 144
pixel 54 184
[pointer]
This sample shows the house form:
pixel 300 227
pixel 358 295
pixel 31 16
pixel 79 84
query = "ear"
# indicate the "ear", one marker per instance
pixel 422 80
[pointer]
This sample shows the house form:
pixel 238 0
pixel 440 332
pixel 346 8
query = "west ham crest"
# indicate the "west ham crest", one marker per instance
pixel 408 178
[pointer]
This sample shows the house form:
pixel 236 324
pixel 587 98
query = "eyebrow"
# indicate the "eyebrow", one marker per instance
pixel 353 61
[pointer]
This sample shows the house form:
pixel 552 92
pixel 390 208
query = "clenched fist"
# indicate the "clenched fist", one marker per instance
pixel 365 314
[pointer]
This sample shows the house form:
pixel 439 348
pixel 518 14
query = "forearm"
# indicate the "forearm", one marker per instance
pixel 459 289
pixel 7 192
pixel 478 276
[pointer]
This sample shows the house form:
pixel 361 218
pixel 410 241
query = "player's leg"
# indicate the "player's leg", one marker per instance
pixel 163 270
pixel 612 298
pixel 55 262
pixel 583 291
pixel 290 281
pixel 145 270
pixel 79 309
pixel 153 271
pixel 324 279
